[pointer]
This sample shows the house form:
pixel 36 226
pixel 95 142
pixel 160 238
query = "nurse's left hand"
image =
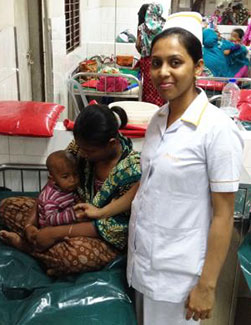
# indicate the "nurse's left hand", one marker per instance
pixel 200 302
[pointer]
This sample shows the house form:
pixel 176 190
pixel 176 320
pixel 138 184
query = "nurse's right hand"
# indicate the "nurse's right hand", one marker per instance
pixel 200 302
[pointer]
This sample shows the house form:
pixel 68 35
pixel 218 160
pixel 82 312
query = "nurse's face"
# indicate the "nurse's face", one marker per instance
pixel 172 69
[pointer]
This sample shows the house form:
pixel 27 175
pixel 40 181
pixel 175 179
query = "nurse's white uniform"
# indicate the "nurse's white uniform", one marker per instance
pixel 199 153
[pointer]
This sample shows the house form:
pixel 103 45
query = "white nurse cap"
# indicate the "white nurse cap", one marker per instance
pixel 188 20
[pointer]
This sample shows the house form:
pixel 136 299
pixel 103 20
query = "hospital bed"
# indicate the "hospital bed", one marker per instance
pixel 85 85
pixel 29 297
pixel 213 86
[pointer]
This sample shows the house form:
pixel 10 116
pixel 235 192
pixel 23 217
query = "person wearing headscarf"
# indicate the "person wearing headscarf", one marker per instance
pixel 236 54
pixel 150 23
pixel 214 58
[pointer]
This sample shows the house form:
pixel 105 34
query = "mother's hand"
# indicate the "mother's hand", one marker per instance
pixel 86 210
pixel 45 238
pixel 200 302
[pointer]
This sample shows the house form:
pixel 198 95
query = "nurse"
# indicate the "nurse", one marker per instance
pixel 182 214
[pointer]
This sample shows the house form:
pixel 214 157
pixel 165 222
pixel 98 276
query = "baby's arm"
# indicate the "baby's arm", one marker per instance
pixel 115 207
pixel 55 217
pixel 232 49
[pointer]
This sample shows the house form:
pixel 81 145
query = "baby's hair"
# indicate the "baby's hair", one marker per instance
pixel 54 157
pixel 240 32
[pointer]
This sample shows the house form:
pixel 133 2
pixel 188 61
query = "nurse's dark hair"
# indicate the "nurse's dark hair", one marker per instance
pixel 97 124
pixel 142 13
pixel 188 40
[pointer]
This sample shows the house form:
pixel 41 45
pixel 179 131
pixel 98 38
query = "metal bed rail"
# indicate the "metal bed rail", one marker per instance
pixel 79 93
pixel 23 177
pixel 213 86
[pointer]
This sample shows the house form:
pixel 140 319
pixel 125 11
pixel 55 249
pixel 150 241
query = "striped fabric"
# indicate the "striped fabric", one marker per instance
pixel 55 207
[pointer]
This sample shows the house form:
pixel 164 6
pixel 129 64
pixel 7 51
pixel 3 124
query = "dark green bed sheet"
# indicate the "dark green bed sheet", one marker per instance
pixel 29 296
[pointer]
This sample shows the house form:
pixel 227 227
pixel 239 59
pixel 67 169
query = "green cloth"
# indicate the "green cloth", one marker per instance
pixel 113 230
pixel 29 297
pixel 152 26
pixel 244 254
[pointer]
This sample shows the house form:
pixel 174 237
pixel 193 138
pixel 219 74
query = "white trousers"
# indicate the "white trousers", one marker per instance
pixel 152 312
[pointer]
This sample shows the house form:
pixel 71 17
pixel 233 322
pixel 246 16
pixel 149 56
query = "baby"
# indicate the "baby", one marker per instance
pixel 57 199
pixel 56 204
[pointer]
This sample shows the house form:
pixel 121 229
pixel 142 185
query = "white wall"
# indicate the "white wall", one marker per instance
pixel 101 21
pixel 105 19
pixel 8 73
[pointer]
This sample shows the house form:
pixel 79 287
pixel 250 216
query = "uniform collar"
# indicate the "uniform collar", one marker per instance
pixel 196 109
pixel 193 113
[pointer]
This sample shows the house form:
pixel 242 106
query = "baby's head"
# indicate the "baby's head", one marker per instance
pixel 237 35
pixel 62 169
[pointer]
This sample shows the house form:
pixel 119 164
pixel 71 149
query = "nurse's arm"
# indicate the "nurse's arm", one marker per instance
pixel 201 298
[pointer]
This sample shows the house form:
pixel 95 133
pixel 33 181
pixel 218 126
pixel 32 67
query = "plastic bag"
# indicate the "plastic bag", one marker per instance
pixel 29 297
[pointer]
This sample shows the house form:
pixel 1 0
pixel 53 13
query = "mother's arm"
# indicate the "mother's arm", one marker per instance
pixel 201 298
pixel 115 207
pixel 48 236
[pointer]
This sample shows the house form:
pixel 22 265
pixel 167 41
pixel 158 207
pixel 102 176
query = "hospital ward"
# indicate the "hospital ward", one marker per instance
pixel 125 162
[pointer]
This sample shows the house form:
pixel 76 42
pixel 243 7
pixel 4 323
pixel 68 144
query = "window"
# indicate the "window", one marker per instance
pixel 72 24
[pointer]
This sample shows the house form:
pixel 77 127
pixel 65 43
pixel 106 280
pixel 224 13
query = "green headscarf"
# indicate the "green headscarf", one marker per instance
pixel 153 25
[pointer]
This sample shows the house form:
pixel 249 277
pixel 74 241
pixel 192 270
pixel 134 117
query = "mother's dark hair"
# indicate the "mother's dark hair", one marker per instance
pixel 97 124
pixel 188 40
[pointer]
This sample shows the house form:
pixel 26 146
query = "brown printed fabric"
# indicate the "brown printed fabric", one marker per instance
pixel 72 255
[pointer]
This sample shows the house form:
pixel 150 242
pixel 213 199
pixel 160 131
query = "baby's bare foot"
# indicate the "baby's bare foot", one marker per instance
pixel 12 239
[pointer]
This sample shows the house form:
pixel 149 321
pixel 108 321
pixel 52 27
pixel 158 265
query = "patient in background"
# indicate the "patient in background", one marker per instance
pixel 56 202
pixel 236 54
pixel 150 23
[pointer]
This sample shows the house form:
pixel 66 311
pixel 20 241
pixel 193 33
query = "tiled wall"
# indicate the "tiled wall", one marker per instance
pixel 30 150
pixel 8 72
pixel 15 149
pixel 26 150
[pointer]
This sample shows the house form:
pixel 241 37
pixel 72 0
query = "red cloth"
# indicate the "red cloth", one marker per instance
pixel 210 84
pixel 90 83
pixel 244 105
pixel 130 130
pixel 150 93
pixel 112 84
pixel 68 124
pixel 93 102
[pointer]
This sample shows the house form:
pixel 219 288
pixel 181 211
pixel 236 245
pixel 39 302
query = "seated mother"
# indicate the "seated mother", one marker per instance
pixel 108 167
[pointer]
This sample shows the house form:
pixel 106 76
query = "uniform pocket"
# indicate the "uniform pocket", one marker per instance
pixel 177 250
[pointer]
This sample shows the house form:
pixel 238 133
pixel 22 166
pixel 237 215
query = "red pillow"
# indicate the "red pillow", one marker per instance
pixel 35 119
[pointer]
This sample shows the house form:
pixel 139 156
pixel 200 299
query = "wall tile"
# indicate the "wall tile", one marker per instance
pixel 4 145
pixel 4 159
pixel 58 28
